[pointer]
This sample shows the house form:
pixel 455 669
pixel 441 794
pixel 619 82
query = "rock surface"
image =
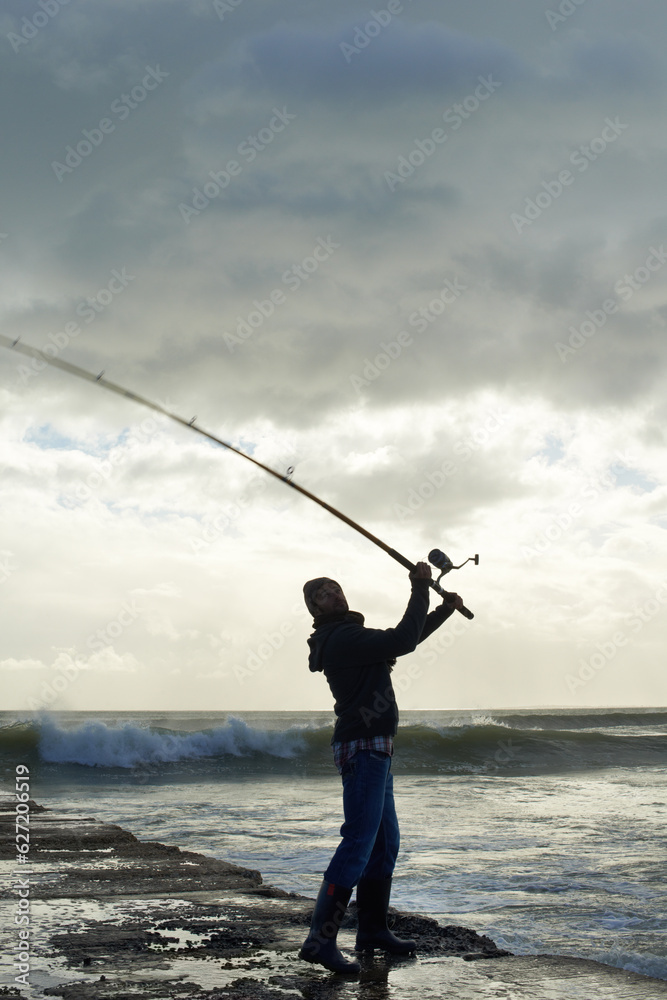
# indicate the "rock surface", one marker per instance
pixel 115 917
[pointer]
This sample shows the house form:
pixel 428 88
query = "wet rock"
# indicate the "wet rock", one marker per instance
pixel 123 919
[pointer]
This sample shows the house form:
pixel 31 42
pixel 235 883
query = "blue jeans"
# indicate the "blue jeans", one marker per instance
pixel 370 832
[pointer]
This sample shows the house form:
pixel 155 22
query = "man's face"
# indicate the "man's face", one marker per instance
pixel 330 598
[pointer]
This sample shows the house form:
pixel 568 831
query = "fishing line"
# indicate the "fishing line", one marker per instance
pixel 436 557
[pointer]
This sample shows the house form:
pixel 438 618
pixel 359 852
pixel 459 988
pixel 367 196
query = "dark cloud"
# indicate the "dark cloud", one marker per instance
pixel 404 59
pixel 426 340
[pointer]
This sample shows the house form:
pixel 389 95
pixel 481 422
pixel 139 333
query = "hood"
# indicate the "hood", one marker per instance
pixel 324 626
pixel 317 641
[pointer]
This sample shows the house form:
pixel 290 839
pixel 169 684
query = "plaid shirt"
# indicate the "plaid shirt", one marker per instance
pixel 343 751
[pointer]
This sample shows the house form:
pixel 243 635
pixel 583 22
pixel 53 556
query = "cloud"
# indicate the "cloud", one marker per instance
pixel 401 61
pixel 13 664
pixel 444 376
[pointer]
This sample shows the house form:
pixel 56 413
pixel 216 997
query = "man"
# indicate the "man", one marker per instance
pixel 357 663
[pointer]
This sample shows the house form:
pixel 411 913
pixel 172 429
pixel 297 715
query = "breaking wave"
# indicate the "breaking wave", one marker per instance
pixel 479 744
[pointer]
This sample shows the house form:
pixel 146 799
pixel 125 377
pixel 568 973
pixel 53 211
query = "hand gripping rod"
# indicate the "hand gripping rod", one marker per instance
pixel 56 362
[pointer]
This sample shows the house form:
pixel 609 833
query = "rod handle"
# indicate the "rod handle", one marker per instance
pixel 466 612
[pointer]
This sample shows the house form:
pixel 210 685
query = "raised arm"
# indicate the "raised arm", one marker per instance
pixel 357 646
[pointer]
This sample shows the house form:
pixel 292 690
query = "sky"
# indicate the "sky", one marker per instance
pixel 417 252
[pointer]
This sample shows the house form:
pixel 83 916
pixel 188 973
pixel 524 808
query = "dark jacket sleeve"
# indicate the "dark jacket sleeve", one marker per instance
pixel 357 646
pixel 435 619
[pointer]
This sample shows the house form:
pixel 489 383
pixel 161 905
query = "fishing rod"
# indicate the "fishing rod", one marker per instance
pixel 436 557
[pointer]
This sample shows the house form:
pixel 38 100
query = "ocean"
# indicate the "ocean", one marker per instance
pixel 542 829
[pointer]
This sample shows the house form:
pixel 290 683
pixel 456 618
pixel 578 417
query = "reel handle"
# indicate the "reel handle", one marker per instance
pixel 432 583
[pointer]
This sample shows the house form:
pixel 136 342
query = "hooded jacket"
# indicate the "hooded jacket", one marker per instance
pixel 354 660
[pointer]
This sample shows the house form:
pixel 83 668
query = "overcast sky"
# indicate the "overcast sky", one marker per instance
pixel 420 254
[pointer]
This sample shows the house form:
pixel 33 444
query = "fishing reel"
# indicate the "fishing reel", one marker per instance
pixel 444 563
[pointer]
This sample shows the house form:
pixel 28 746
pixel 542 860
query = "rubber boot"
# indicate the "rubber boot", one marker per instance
pixel 320 945
pixel 372 906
